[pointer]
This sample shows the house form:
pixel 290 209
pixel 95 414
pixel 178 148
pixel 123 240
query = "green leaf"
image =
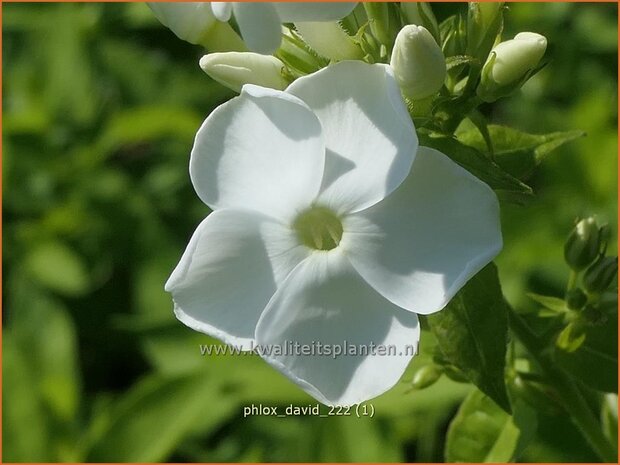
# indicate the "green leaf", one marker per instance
pixel 482 432
pixel 472 334
pixel 25 431
pixel 458 60
pixel 59 268
pixel 609 417
pixel 517 152
pixel 152 418
pixel 46 333
pixel 595 362
pixel 351 439
pixel 44 339
pixel 147 124
pixel 571 337
pixel 479 165
pixel 551 303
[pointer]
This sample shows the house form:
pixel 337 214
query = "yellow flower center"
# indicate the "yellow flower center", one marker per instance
pixel 318 228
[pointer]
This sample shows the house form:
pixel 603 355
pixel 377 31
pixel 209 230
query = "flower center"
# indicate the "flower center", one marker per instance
pixel 318 228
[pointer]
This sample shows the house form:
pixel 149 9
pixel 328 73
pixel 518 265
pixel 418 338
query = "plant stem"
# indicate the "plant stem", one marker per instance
pixel 570 395
pixel 572 281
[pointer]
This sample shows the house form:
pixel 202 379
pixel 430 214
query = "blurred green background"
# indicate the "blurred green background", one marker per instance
pixel 100 106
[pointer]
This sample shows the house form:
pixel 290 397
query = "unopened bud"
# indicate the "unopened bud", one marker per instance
pixel 330 40
pixel 582 245
pixel 576 299
pixel 594 315
pixel 235 69
pixel 510 64
pixel 601 274
pixel 418 63
pixel 426 376
pixel 604 233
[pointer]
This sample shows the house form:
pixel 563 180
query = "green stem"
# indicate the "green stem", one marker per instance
pixel 569 393
pixel 463 106
pixel 572 281
pixel 379 19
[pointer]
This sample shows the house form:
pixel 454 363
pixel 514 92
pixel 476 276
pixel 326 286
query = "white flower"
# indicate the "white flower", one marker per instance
pixel 190 21
pixel 259 23
pixel 329 225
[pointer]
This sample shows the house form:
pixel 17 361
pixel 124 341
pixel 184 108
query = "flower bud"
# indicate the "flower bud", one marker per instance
pixel 604 233
pixel 330 40
pixel 510 64
pixel 594 315
pixel 418 63
pixel 600 275
pixel 582 245
pixel 576 299
pixel 234 69
pixel 426 376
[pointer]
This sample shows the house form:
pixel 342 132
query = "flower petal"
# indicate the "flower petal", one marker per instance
pixel 229 271
pixel 260 151
pixel 423 243
pixel 290 12
pixel 222 10
pixel 369 136
pixel 188 20
pixel 325 303
pixel 259 24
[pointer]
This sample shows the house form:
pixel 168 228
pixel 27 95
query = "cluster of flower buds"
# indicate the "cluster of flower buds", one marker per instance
pixel 585 249
pixel 585 253
pixel 420 65
pixel 416 51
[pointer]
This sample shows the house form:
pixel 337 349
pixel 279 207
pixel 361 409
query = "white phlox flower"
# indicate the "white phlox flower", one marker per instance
pixel 330 224
pixel 259 22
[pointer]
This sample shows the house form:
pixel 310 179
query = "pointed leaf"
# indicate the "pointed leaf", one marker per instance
pixel 472 334
pixel 517 152
pixel 482 432
pixel 150 421
pixel 595 362
pixel 552 303
pixel 479 165
pixel 25 425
